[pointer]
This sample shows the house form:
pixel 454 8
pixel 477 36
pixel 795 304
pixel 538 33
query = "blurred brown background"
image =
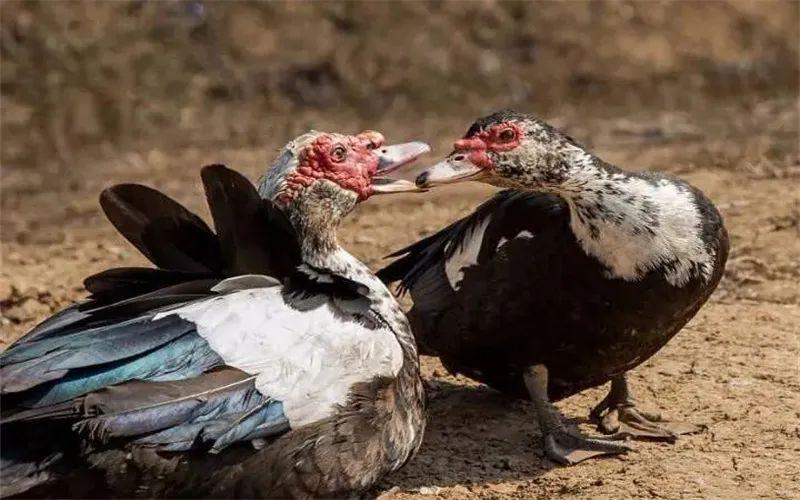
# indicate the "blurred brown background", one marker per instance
pixel 96 77
pixel 96 93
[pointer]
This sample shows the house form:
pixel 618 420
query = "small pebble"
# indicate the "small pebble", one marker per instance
pixel 429 490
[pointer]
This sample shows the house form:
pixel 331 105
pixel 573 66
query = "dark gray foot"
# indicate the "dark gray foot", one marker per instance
pixel 570 447
pixel 618 416
pixel 562 445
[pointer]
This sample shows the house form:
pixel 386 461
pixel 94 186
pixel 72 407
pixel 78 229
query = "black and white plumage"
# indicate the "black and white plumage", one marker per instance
pixel 256 361
pixel 574 276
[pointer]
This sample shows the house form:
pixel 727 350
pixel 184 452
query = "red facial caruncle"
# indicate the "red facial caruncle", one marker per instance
pixel 346 160
pixel 499 138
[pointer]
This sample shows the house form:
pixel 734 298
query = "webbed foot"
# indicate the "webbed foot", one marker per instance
pixel 618 416
pixel 570 447
pixel 562 445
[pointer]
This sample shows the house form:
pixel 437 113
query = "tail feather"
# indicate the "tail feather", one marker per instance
pixel 248 227
pixel 168 234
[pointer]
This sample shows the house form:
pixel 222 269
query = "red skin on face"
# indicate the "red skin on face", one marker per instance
pixel 477 146
pixel 354 172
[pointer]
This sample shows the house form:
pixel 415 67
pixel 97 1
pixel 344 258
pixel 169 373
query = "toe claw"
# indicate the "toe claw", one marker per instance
pixel 609 423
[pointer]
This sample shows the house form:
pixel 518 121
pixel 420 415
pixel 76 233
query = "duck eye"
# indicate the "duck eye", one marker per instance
pixel 507 135
pixel 338 154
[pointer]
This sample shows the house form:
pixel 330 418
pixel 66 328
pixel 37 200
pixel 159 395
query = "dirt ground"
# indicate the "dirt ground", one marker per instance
pixel 734 368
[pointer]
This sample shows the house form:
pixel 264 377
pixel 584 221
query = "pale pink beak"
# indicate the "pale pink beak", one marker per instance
pixel 456 168
pixel 391 158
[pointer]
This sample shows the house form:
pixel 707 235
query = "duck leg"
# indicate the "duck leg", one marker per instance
pixel 562 445
pixel 618 415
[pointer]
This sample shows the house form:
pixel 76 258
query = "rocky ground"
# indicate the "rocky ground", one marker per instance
pixel 734 368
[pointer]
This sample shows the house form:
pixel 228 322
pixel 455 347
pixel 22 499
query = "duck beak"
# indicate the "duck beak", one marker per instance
pixel 450 171
pixel 391 158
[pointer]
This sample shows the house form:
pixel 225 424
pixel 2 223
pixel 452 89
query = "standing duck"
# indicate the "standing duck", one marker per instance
pixel 260 361
pixel 571 277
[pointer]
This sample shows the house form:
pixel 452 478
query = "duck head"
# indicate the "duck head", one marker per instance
pixel 357 165
pixel 319 177
pixel 506 149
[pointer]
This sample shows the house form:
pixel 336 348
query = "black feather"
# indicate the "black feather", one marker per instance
pixel 418 258
pixel 255 236
pixel 164 231
pixel 55 325
pixel 124 302
pixel 309 287
pixel 117 283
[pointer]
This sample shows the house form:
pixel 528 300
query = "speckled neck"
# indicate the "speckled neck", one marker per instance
pixel 632 223
pixel 316 214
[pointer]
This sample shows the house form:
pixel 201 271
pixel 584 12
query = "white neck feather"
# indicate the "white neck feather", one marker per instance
pixel 633 223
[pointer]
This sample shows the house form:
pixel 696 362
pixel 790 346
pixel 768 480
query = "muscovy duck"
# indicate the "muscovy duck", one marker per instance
pixel 263 360
pixel 575 274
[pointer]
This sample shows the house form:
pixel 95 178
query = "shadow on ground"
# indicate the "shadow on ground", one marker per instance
pixel 475 435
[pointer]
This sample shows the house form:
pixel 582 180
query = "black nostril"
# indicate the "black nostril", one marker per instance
pixel 458 157
pixel 422 179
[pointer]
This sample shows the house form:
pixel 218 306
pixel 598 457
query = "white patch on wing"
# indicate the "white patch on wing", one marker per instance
pixel 466 254
pixel 524 234
pixel 307 359
pixel 625 248
pixel 243 282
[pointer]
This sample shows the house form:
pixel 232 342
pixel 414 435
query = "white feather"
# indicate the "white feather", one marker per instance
pixel 466 254
pixel 307 359
pixel 628 252
pixel 524 234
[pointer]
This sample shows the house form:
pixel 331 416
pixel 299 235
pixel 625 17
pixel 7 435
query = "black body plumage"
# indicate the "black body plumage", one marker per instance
pixel 541 299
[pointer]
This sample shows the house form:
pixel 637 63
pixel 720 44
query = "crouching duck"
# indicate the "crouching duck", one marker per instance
pixel 260 361
pixel 571 277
